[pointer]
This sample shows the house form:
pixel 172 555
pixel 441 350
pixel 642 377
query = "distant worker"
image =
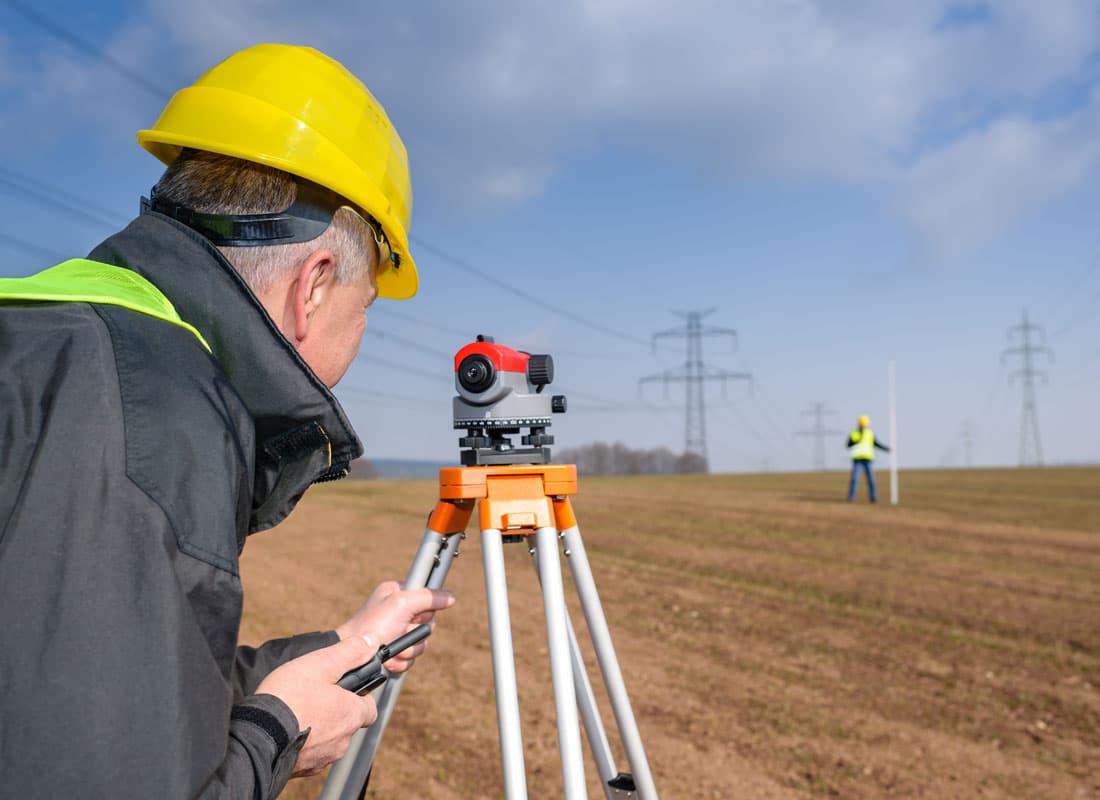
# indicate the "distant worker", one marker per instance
pixel 861 446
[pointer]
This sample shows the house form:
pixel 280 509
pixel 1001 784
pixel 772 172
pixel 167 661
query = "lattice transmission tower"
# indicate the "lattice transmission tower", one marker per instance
pixel 819 431
pixel 966 438
pixel 1031 448
pixel 693 374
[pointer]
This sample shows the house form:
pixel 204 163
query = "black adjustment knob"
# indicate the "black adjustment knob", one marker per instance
pixel 538 439
pixel 557 404
pixel 540 370
pixel 474 441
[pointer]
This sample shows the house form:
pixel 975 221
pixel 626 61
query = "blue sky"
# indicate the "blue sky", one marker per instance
pixel 844 183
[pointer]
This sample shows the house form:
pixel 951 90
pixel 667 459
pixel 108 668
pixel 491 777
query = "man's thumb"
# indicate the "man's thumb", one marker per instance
pixel 347 654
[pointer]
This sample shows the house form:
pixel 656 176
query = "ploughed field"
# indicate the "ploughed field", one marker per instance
pixel 776 641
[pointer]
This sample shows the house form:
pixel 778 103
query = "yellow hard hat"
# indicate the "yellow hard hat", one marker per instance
pixel 864 421
pixel 296 109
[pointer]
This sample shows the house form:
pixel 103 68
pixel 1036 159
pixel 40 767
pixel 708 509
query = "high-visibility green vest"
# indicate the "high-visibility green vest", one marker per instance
pixel 81 280
pixel 861 445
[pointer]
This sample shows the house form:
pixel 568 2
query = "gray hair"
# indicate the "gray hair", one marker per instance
pixel 215 184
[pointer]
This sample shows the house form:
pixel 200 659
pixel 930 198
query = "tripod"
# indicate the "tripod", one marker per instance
pixel 521 503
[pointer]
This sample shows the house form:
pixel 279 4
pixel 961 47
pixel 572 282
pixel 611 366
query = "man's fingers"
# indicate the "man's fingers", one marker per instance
pixel 386 588
pixel 421 618
pixel 403 660
pixel 425 599
pixel 370 711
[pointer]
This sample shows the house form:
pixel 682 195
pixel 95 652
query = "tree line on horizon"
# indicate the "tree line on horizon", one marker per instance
pixel 602 458
pixel 599 458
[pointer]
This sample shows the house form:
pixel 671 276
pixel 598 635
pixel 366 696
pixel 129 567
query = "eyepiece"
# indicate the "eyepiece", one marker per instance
pixel 476 373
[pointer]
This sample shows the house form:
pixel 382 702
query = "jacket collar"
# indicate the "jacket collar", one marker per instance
pixel 302 434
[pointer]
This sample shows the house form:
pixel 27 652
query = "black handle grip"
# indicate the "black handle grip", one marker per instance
pixel 371 675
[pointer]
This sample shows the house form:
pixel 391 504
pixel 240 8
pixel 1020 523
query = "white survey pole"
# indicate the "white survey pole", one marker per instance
pixel 893 438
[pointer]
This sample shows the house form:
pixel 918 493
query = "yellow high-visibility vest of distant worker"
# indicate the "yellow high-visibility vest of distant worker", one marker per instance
pixel 861 441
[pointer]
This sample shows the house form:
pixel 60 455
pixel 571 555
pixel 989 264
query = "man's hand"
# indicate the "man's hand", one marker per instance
pixel 307 685
pixel 391 611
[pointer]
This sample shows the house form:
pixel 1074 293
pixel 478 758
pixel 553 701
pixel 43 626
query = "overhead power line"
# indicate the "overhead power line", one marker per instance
pixel 369 359
pixel 516 291
pixel 31 247
pixel 362 390
pixel 410 344
pixel 464 336
pixel 44 195
pixel 35 17
pixel 740 414
pixel 1070 294
pixel 1086 311
pixel 390 310
pixel 819 431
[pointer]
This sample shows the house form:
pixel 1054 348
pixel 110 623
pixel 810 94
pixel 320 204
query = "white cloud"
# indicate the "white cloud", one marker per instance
pixel 964 194
pixel 495 97
pixel 513 183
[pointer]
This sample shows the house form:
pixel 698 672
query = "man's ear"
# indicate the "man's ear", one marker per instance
pixel 316 277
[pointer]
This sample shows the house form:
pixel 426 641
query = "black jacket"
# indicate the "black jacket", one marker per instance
pixel 132 466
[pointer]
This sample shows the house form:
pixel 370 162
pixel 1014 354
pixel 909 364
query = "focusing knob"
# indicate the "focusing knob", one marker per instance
pixel 557 404
pixel 540 370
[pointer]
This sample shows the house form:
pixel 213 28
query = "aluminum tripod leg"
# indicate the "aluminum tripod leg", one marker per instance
pixel 586 702
pixel 609 664
pixel 613 782
pixel 561 666
pixel 504 667
pixel 504 670
pixel 348 776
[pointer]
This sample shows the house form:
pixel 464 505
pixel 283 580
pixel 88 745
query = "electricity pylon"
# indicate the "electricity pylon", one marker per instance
pixel 693 374
pixel 819 431
pixel 966 437
pixel 1031 448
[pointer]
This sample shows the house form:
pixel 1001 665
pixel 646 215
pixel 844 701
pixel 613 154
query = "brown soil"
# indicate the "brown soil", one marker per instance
pixel 776 641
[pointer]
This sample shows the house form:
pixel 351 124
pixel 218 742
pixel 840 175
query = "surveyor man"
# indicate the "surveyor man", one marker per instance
pixel 165 398
pixel 861 446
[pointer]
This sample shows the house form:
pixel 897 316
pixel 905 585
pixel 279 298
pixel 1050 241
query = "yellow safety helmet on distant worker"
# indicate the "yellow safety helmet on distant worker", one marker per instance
pixel 864 421
pixel 296 109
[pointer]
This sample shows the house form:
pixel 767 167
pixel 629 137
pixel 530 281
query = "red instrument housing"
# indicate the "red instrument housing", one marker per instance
pixel 505 359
